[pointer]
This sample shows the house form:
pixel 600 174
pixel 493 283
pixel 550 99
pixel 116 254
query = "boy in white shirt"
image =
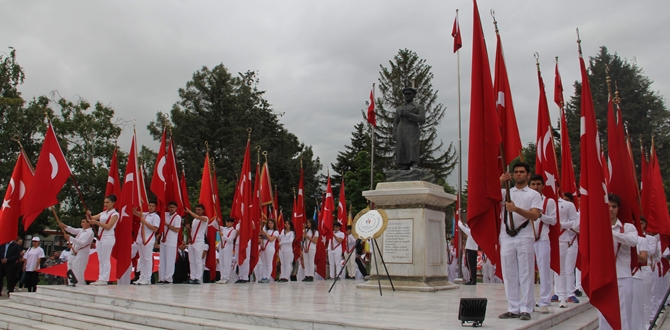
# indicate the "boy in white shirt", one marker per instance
pixel 228 234
pixel 145 242
pixel 335 250
pixel 168 246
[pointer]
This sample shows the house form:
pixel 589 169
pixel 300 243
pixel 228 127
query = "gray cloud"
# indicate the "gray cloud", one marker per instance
pixel 316 59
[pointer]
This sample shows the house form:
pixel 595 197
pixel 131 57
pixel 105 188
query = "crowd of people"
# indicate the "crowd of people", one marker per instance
pixel 526 256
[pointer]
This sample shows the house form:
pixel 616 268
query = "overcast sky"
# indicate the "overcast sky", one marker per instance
pixel 317 60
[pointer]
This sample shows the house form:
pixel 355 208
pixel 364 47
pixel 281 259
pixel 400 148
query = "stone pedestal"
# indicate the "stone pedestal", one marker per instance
pixel 414 244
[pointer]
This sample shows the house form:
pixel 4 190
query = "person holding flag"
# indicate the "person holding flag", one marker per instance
pixel 81 244
pixel 150 222
pixel 564 283
pixel 168 246
pixel 350 246
pixel 471 253
pixel 286 239
pixel 228 235
pixel 310 239
pixel 267 250
pixel 196 246
pixel 542 248
pixel 335 250
pixel 106 222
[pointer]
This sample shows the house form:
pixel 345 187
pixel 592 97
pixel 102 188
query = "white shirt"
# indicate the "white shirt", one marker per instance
pixel 198 230
pixel 105 216
pixel 65 255
pixel 526 199
pixel 623 242
pixel 33 256
pixel 286 240
pixel 351 243
pixel 470 243
pixel 82 242
pixel 309 234
pixel 171 236
pixel 569 216
pixel 227 238
pixel 547 218
pixel 149 236
pixel 643 245
pixel 334 245
pixel 266 244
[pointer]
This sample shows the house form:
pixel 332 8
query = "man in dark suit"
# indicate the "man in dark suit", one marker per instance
pixel 10 254
pixel 181 267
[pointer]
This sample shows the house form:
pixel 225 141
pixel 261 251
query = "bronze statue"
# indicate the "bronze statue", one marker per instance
pixel 407 130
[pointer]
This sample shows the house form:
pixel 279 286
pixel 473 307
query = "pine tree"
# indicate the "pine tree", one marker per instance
pixel 407 66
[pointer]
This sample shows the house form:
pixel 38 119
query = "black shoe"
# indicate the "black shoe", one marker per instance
pixel 508 315
pixel 524 317
pixel 241 281
pixel 578 293
pixel 308 279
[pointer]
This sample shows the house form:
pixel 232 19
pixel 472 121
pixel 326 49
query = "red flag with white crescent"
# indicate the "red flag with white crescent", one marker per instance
pixel 14 202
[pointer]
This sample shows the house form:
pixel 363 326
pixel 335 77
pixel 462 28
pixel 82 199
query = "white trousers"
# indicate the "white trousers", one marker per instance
pixel 335 262
pixel 639 319
pixel 518 260
pixel 104 249
pixel 195 260
pixel 561 280
pixel 78 265
pixel 168 257
pixel 464 267
pixel 146 262
pixel 452 270
pixel 267 258
pixel 226 263
pixel 286 260
pixel 543 259
pixel 244 267
pixel 625 302
pixel 308 259
pixel 351 265
pixel 574 276
pixel 488 272
pixel 658 290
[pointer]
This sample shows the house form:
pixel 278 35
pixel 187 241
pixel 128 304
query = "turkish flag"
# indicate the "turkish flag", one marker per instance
pixel 658 219
pixel 547 166
pixel 159 182
pixel 50 175
pixel 14 202
pixel 240 209
pixel 505 107
pixel 342 215
pixel 599 278
pixel 187 204
pixel 372 117
pixel 327 214
pixel 130 199
pixel 456 33
pixel 299 216
pixel 113 183
pixel 208 200
pixel 645 185
pixel 320 257
pixel 255 215
pixel 558 88
pixel 276 212
pixel 484 193
pixel 568 181
pixel 173 190
pixel 265 186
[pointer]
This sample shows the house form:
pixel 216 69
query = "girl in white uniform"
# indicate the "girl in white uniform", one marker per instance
pixel 286 251
pixel 268 250
pixel 106 222
pixel 310 238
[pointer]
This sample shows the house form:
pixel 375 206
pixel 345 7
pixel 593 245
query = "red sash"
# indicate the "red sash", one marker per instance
pixel 145 242
pixel 192 238
pixel 267 241
pixel 331 243
pixel 544 209
pixel 310 241
pixel 111 213
pixel 224 242
pixel 168 231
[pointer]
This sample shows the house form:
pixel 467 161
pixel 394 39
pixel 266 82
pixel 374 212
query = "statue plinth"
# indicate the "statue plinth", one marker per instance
pixel 414 244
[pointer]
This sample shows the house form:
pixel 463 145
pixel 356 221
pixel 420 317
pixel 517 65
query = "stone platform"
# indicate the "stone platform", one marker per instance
pixel 267 306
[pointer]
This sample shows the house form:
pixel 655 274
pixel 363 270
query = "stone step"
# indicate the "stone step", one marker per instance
pixel 588 320
pixel 63 317
pixel 238 318
pixel 12 322
pixel 125 317
pixel 557 319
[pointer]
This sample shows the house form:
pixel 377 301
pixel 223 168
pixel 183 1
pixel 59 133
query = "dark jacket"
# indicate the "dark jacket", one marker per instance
pixel 13 252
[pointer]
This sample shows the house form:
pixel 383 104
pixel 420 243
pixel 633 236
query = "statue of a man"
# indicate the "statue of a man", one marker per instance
pixel 407 130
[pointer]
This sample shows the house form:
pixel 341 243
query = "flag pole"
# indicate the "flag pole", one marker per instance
pixel 372 150
pixel 460 169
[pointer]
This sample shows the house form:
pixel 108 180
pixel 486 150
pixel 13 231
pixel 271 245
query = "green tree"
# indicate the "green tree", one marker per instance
pixel 643 110
pixel 217 107
pixel 407 66
pixel 357 180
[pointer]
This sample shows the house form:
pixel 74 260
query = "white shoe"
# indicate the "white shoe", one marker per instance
pixel 543 310
pixel 223 281
pixel 99 283
pixel 143 282
pixel 563 304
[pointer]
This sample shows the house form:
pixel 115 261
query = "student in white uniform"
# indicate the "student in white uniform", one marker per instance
pixel 471 253
pixel 33 260
pixel 488 271
pixel 351 245
pixel 542 244
pixel 310 239
pixel 196 247
pixel 268 251
pixel 149 223
pixel 568 245
pixel 81 244
pixel 646 247
pixel 452 262
pixel 625 237
pixel 168 246
pixel 243 268
pixel 517 249
pixel 286 239
pixel 334 248
pixel 228 234
pixel 106 222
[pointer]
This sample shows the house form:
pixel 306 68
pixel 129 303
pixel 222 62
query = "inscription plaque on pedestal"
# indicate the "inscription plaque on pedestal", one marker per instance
pixel 397 246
